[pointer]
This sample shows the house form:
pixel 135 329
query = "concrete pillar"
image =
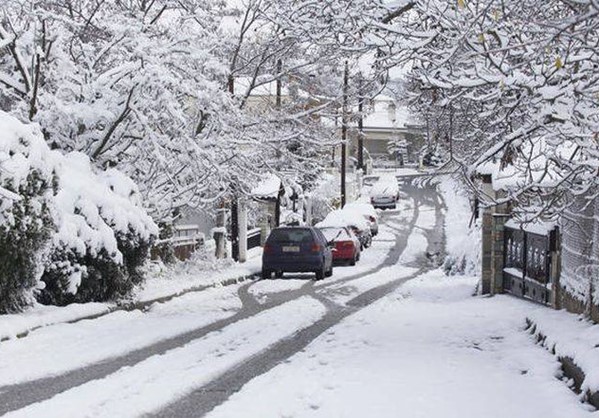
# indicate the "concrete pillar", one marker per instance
pixel 242 218
pixel 220 233
pixel 487 235
pixel 487 250
pixel 267 221
pixel 308 209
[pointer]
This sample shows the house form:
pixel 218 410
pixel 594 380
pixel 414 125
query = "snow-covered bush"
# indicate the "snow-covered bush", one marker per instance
pixel 98 234
pixel 26 224
pixel 103 236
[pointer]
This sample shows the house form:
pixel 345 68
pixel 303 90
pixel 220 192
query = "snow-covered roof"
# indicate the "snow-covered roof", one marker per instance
pixel 387 114
pixel 268 188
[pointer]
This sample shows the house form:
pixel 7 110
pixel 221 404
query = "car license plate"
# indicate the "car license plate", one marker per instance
pixel 293 249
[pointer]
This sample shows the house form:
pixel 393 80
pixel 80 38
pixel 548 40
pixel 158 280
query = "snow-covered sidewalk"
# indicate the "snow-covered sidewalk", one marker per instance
pixel 429 350
pixel 161 283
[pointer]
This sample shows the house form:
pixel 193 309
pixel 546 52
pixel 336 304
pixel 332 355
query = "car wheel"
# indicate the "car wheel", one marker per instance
pixel 266 274
pixel 320 274
pixel 330 272
pixel 352 262
pixel 278 274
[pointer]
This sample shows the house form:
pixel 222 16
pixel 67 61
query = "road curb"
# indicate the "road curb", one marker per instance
pixel 129 306
pixel 572 371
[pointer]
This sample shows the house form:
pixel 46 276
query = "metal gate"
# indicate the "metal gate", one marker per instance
pixel 527 264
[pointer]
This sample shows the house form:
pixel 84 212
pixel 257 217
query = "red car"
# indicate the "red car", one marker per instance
pixel 346 244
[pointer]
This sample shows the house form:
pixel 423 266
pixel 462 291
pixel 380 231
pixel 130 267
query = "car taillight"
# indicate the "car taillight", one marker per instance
pixel 267 249
pixel 315 248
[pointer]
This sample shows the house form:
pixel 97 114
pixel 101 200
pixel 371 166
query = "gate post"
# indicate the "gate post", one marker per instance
pixel 220 233
pixel 487 250
pixel 243 231
pixel 555 267
pixel 497 250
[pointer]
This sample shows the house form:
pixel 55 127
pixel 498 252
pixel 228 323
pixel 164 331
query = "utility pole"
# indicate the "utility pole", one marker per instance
pixel 451 133
pixel 361 129
pixel 344 133
pixel 279 70
pixel 234 198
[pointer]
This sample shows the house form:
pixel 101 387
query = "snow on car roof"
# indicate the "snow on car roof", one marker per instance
pixel 340 218
pixel 361 208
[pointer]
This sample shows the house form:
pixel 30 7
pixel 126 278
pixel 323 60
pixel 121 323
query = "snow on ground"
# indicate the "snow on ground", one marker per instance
pixel 263 288
pixel 417 241
pixel 428 350
pixel 185 275
pixel 160 379
pixel 343 292
pixel 161 282
pixel 417 244
pixel 64 347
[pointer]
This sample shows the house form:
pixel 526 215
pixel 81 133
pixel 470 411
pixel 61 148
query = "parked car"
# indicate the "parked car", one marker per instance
pixel 385 193
pixel 297 249
pixel 370 180
pixel 359 225
pixel 347 245
pixel 367 211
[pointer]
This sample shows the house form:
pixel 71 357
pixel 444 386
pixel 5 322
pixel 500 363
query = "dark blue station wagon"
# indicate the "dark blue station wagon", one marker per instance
pixel 297 249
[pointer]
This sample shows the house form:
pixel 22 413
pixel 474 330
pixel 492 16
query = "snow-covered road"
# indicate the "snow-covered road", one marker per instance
pixel 389 337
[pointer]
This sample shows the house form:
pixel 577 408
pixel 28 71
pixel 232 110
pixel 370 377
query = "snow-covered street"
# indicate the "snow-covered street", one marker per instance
pixel 426 350
pixel 392 336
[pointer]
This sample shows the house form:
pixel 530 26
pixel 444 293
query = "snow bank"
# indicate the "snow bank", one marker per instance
pixel 570 335
pixel 462 240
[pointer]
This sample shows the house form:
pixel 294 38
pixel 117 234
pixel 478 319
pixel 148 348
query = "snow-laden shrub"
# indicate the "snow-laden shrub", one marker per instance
pixel 99 234
pixel 26 223
pixel 103 235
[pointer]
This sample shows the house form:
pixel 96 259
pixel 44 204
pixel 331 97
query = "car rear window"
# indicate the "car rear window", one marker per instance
pixel 291 235
pixel 337 234
pixel 385 187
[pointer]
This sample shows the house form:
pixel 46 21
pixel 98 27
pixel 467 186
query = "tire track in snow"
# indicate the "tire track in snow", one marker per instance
pixel 206 398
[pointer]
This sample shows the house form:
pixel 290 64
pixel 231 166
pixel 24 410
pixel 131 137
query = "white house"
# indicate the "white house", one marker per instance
pixel 390 132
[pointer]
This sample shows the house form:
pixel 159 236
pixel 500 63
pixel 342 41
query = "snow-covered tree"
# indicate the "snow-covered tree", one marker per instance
pixel 73 232
pixel 524 76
